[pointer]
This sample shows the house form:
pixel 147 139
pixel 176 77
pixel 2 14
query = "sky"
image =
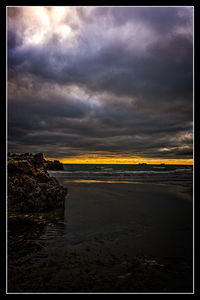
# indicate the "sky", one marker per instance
pixel 101 84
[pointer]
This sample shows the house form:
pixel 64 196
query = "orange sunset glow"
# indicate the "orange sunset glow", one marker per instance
pixel 121 160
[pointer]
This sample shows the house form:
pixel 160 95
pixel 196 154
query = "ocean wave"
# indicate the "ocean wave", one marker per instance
pixel 123 172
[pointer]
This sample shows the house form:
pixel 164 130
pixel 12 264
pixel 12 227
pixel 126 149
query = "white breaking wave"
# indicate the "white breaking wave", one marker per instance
pixel 112 172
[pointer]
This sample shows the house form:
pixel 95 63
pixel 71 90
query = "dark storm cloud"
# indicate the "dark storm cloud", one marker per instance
pixel 127 89
pixel 84 131
pixel 166 69
pixel 162 19
pixel 14 39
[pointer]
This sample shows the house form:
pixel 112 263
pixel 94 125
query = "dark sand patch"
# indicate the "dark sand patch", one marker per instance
pixel 113 238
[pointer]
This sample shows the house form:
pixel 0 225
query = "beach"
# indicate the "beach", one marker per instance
pixel 112 237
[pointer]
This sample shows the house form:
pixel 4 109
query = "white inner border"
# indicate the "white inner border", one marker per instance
pixel 7 149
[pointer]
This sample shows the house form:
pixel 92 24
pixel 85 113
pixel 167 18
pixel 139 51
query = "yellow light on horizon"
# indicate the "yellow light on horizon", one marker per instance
pixel 121 160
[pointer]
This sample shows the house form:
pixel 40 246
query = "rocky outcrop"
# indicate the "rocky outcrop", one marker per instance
pixel 30 187
pixel 54 165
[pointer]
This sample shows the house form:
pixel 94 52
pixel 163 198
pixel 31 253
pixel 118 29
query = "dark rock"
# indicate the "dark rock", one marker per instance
pixel 54 165
pixel 30 188
pixel 38 159
pixel 19 166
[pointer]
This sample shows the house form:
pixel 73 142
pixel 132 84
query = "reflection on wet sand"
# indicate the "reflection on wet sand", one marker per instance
pixel 101 181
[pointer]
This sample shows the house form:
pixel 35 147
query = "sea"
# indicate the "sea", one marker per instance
pixel 124 173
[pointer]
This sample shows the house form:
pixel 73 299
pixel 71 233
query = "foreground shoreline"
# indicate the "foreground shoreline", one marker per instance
pixel 128 261
pixel 94 267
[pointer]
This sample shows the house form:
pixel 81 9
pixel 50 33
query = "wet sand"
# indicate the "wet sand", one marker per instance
pixel 113 237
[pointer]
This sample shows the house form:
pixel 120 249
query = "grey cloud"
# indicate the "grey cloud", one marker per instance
pixel 161 19
pixel 88 132
pixel 166 69
pixel 145 97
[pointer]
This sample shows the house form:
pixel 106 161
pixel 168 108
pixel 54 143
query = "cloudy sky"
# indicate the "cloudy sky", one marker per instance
pixel 101 84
